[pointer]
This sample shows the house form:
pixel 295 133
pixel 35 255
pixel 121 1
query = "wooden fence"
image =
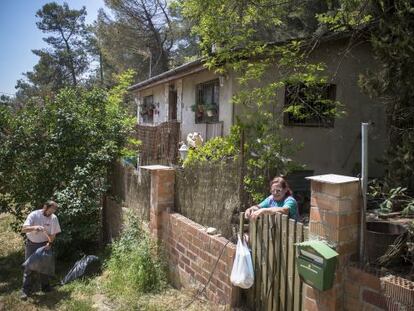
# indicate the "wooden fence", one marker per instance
pixel 277 284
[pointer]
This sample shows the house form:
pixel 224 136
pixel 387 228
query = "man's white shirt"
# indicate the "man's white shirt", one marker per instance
pixel 36 218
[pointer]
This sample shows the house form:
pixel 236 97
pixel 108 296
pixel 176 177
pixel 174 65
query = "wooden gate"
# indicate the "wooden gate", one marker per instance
pixel 277 284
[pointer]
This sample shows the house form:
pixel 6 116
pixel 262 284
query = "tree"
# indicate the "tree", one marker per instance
pixel 148 36
pixel 387 24
pixel 393 84
pixel 120 48
pixel 65 61
pixel 62 150
pixel 68 27
pixel 249 38
pixel 142 29
pixel 5 100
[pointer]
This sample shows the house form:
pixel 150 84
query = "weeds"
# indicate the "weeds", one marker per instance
pixel 133 267
pixel 130 258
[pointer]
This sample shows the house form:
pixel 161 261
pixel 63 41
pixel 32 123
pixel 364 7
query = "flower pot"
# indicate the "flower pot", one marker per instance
pixel 210 113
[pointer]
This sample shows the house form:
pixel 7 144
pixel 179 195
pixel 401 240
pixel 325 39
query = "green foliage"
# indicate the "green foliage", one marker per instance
pixel 133 268
pixel 236 37
pixel 387 23
pixel 393 83
pixel 230 24
pixel 388 203
pixel 62 150
pixel 346 15
pixel 216 150
pixel 149 36
pixel 267 154
pixel 390 199
pixel 65 60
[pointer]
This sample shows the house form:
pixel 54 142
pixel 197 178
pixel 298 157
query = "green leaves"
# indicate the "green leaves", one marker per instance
pixel 391 199
pixel 245 38
pixel 216 150
pixel 392 83
pixel 133 267
pixel 62 150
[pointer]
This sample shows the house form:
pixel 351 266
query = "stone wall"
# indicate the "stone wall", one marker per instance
pixel 128 189
pixel 209 194
pixel 131 188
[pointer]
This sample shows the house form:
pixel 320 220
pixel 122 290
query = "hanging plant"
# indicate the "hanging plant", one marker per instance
pixel 199 110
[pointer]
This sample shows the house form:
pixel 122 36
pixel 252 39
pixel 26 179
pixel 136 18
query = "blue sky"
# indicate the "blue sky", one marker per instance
pixel 19 35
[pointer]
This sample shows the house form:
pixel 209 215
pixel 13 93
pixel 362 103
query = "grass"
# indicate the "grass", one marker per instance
pixel 96 293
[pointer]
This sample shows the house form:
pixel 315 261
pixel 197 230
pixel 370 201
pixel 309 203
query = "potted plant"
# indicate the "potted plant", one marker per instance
pixel 211 109
pixel 147 109
pixel 198 109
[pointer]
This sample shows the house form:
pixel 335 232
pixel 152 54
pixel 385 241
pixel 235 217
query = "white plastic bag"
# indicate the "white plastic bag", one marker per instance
pixel 242 274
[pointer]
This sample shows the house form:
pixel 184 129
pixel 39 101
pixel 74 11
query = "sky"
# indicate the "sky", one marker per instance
pixel 19 35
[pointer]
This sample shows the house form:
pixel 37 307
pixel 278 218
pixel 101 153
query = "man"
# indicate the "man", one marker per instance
pixel 41 227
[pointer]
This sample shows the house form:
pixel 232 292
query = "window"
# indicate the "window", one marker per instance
pixel 206 108
pixel 147 109
pixel 310 105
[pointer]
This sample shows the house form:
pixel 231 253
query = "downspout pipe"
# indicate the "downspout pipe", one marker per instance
pixel 364 187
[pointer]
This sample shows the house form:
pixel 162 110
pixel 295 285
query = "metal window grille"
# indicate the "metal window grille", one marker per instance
pixel 207 102
pixel 314 105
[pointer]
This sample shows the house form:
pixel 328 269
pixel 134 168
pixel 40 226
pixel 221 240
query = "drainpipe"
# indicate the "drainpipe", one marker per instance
pixel 364 186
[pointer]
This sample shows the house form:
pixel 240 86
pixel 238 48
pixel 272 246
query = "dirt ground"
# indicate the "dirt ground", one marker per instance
pixel 78 295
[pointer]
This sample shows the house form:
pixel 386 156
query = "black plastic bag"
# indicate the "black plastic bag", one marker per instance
pixel 86 266
pixel 42 261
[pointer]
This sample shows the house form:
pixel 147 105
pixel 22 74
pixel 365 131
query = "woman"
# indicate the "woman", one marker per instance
pixel 280 201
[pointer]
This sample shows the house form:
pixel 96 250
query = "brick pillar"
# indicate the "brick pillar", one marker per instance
pixel 162 196
pixel 334 217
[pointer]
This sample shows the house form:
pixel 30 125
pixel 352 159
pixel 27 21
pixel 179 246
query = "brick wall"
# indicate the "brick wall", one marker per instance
pixel 192 255
pixel 334 217
pixel 366 291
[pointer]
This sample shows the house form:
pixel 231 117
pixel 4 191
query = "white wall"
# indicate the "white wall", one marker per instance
pixel 188 124
pixel 186 97
pixel 159 101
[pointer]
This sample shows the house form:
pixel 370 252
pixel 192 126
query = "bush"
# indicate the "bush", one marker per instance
pixel 266 154
pixel 133 266
pixel 62 150
pixel 215 150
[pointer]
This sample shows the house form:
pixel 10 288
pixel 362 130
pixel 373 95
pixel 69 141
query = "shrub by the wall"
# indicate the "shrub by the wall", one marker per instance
pixel 133 267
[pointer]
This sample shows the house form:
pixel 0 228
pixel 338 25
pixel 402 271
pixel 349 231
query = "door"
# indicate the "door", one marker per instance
pixel 172 105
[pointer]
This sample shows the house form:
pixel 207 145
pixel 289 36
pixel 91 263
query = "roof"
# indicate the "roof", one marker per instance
pixel 169 75
pixel 197 65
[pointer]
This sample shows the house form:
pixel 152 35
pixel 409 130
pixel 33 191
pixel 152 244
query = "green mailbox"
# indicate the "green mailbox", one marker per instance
pixel 316 264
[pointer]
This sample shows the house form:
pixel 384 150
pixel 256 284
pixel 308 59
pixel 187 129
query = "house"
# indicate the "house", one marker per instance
pixel 333 146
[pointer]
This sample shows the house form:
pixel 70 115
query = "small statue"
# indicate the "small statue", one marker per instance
pixel 194 140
